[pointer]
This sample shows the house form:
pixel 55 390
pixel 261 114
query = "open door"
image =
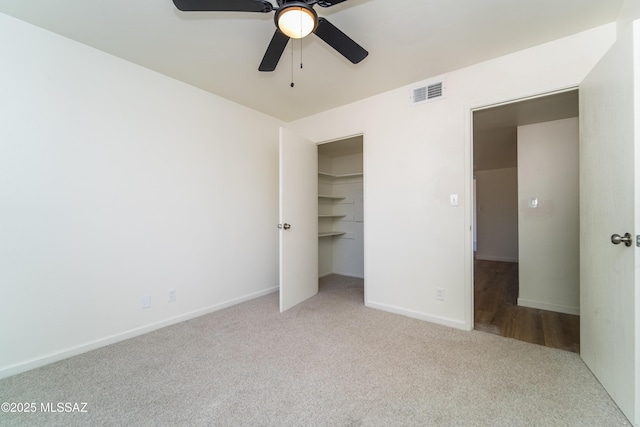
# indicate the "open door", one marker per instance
pixel 609 206
pixel 298 219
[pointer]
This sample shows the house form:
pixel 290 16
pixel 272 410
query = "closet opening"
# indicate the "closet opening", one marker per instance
pixel 341 215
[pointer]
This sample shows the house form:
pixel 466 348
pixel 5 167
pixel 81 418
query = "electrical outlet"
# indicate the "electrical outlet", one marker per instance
pixel 440 294
pixel 171 294
pixel 145 301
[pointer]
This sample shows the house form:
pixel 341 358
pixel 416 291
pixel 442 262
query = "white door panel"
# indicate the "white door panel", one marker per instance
pixel 608 192
pixel 299 214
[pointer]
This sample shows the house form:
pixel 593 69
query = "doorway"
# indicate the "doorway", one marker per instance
pixel 526 253
pixel 341 213
pixel 308 216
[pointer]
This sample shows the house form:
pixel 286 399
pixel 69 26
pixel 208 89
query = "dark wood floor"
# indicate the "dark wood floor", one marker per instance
pixel 496 310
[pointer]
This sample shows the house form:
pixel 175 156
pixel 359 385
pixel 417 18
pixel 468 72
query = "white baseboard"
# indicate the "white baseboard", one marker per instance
pixel 495 258
pixel 102 342
pixel 453 323
pixel 548 306
pixel 357 276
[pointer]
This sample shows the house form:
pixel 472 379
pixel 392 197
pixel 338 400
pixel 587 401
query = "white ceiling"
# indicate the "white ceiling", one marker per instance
pixel 408 41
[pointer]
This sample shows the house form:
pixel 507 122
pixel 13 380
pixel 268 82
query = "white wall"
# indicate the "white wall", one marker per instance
pixel 116 182
pixel 549 234
pixel 629 12
pixel 415 157
pixel 497 214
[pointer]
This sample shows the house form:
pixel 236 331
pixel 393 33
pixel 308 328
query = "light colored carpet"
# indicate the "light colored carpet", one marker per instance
pixel 329 361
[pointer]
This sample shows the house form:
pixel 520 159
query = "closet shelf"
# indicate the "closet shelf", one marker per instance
pixel 331 233
pixel 331 216
pixel 345 175
pixel 322 196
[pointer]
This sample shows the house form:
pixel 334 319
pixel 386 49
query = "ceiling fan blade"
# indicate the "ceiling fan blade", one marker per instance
pixel 274 51
pixel 224 5
pixel 340 41
pixel 329 3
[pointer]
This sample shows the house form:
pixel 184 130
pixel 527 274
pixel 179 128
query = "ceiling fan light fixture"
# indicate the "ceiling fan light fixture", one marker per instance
pixel 296 20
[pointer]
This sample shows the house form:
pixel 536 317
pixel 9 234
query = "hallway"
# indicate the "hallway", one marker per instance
pixel 496 310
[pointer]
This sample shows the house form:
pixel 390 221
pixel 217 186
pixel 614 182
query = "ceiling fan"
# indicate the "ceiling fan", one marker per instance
pixel 294 19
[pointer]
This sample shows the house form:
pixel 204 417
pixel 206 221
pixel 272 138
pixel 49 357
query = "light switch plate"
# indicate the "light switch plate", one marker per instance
pixel 453 200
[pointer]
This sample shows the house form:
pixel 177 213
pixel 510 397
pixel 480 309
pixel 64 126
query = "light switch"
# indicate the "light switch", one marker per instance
pixel 533 202
pixel 453 200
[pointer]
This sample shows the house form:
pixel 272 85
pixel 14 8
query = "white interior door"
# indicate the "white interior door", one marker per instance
pixel 609 204
pixel 298 219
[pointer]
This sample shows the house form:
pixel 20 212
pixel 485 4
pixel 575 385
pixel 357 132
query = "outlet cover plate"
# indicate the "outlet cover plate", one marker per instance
pixel 145 301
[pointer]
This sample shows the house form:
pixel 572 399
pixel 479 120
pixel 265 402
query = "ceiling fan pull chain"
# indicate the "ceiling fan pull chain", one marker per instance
pixel 292 44
pixel 300 39
pixel 301 54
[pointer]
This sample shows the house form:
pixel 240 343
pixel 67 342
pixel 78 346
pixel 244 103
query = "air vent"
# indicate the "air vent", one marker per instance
pixel 419 94
pixel 430 92
pixel 434 90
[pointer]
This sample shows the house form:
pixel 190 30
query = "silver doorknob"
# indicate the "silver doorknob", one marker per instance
pixel 616 239
pixel 286 226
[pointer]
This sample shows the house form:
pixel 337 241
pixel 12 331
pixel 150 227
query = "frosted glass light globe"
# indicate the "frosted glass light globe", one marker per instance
pixel 296 22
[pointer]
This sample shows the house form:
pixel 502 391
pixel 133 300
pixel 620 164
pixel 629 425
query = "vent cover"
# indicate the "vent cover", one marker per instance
pixel 430 92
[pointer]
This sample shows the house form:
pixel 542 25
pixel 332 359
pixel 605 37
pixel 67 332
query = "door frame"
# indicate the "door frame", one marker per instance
pixel 468 182
pixel 364 196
